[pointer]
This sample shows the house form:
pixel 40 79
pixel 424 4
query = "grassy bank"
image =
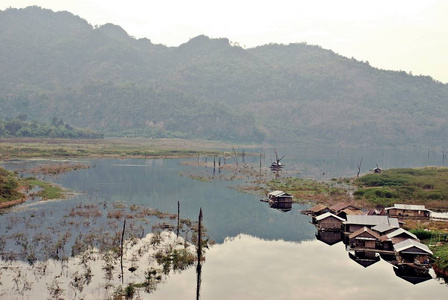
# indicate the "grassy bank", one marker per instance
pixel 427 186
pixel 14 190
pixel 307 190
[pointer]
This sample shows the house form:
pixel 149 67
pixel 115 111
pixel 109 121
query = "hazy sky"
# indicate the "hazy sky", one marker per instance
pixel 408 35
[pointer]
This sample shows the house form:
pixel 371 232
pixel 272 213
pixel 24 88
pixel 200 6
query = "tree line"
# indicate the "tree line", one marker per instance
pixel 56 128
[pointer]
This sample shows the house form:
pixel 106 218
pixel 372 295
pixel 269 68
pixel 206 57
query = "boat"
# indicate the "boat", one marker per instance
pixel 276 165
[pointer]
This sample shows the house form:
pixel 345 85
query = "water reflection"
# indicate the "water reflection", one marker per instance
pixel 247 267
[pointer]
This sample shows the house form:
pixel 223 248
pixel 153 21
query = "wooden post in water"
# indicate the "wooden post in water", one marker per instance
pixel 121 254
pixel 199 248
pixel 178 218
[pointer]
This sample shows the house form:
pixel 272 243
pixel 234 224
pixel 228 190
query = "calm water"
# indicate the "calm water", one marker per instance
pixel 260 253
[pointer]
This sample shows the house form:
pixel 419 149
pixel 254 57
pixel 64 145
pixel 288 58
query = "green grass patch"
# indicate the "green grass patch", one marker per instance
pixel 48 190
pixel 441 255
pixel 306 189
pixel 420 185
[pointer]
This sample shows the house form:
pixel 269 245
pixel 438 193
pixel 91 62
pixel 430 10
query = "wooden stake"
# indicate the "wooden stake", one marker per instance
pixel 121 254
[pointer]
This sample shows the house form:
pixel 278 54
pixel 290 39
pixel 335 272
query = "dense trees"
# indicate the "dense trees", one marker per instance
pixel 18 127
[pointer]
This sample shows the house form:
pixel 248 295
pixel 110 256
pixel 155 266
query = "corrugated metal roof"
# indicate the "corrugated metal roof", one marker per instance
pixel 279 194
pixel 408 207
pixel 328 214
pixel 409 244
pixel 367 220
pixel 276 193
pixel 401 231
pixel 382 227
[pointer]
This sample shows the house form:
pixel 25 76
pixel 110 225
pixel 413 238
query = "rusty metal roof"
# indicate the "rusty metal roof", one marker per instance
pixel 362 230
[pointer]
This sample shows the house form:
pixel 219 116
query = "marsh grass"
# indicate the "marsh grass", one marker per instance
pixel 85 235
pixel 427 186
pixel 109 147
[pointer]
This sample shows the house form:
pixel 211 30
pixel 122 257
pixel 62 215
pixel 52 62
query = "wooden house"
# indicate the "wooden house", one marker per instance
pixel 377 212
pixel 400 235
pixel 343 213
pixel 356 222
pixel 338 207
pixel 318 209
pixel 402 211
pixel 328 221
pixel 364 238
pixel 413 252
pixel 280 200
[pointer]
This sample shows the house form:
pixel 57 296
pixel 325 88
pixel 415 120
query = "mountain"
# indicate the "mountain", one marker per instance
pixel 55 64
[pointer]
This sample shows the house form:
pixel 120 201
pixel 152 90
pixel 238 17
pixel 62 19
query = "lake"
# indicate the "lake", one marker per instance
pixel 260 253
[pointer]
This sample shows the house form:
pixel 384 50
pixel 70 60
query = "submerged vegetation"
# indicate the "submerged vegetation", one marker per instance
pixel 101 257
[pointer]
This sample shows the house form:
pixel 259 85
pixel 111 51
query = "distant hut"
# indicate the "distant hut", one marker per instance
pixel 364 238
pixel 280 200
pixel 377 211
pixel 318 209
pixel 408 211
pixel 328 221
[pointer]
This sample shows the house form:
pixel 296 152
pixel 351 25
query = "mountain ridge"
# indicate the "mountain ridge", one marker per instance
pixel 57 64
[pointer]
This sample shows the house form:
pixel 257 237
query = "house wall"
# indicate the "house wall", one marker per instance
pixel 353 227
pixel 330 223
pixel 403 213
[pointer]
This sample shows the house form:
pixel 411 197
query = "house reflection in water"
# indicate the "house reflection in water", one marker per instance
pixel 370 238
pixel 363 258
pixel 411 274
pixel 329 237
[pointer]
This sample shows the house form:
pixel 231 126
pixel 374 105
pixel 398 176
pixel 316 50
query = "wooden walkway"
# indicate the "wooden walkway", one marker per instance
pixel 379 251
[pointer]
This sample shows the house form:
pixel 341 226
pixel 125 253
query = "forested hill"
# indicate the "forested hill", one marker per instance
pixel 55 64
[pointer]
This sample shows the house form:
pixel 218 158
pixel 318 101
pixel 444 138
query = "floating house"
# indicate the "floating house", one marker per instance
pixel 408 211
pixel 413 252
pixel 338 207
pixel 317 210
pixel 345 212
pixel 401 235
pixel 356 222
pixel 364 238
pixel 280 200
pixel 329 222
